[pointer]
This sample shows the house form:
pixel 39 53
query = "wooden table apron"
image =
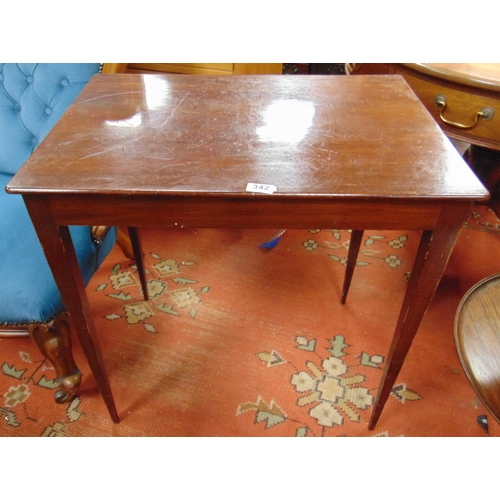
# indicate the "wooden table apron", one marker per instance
pixel 117 158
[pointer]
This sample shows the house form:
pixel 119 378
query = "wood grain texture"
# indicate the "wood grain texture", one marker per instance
pixel 58 247
pixel 477 335
pixel 198 68
pixel 468 87
pixel 463 102
pixel 432 256
pixel 479 75
pixel 310 135
pixel 179 150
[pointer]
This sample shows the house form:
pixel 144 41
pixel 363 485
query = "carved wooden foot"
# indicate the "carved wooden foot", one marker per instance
pixel 98 232
pixel 54 341
pixel 124 243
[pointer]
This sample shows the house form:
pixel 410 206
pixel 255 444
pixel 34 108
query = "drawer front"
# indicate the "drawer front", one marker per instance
pixel 461 107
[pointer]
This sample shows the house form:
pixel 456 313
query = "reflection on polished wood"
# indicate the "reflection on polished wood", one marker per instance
pixel 466 94
pixel 468 88
pixel 477 335
pixel 179 150
pixel 479 75
pixel 196 68
pixel 313 136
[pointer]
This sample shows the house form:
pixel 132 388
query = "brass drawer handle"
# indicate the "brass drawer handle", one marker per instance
pixel 486 113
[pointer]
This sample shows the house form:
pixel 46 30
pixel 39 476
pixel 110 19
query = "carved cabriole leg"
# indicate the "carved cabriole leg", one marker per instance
pixel 125 245
pixel 131 248
pixel 54 341
pixel 98 232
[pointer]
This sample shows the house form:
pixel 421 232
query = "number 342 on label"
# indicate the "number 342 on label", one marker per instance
pixel 253 187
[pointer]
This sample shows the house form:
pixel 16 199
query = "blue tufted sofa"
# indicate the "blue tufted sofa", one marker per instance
pixel 32 99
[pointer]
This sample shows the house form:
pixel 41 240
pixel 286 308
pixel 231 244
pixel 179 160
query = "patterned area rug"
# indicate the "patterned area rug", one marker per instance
pixel 239 340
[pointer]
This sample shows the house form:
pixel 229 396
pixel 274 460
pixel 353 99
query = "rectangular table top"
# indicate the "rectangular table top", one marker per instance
pixel 307 135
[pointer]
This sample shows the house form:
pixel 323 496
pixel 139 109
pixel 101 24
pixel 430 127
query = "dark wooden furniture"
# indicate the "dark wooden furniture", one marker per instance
pixel 464 99
pixel 466 89
pixel 477 336
pixel 342 152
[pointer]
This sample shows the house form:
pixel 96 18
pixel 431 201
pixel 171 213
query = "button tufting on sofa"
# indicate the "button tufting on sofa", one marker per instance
pixel 27 113
pixel 32 99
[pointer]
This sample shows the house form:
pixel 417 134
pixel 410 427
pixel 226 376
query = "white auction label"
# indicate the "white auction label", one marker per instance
pixel 253 187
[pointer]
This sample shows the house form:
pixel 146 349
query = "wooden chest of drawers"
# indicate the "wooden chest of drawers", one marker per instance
pixel 464 98
pixel 466 89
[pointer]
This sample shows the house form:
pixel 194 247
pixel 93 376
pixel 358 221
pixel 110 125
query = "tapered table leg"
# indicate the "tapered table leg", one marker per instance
pixel 60 253
pixel 432 256
pixel 354 244
pixel 139 259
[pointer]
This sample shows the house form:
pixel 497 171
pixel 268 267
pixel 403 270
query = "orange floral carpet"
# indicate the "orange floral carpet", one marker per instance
pixel 243 341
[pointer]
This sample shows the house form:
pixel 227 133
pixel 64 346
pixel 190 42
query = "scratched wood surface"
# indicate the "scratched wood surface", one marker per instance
pixel 306 134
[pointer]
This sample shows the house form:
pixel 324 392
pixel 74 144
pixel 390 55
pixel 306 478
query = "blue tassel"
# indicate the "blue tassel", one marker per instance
pixel 273 241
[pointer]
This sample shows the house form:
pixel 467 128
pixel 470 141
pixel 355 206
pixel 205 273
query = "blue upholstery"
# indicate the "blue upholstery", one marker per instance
pixel 32 99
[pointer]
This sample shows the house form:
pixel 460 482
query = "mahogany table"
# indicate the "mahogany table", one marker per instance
pixel 295 151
